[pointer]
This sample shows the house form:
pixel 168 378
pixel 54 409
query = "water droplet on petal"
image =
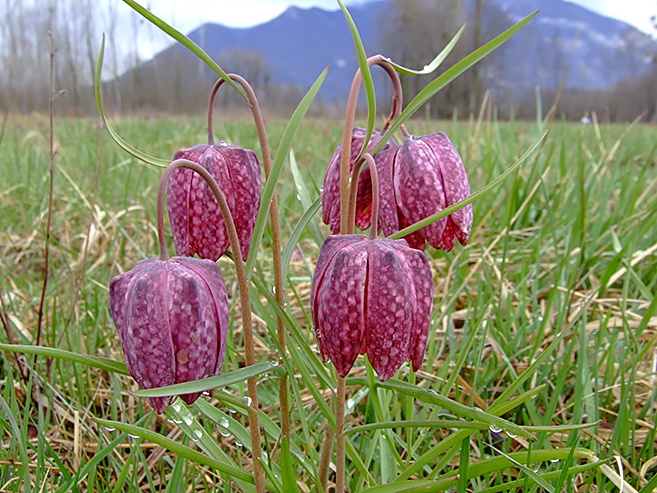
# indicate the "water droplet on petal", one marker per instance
pixel 223 143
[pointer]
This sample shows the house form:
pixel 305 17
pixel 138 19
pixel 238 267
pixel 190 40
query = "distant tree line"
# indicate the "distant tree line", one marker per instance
pixel 412 33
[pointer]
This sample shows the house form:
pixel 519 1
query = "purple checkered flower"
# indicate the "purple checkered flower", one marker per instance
pixel 196 223
pixel 419 178
pixel 172 318
pixel 374 297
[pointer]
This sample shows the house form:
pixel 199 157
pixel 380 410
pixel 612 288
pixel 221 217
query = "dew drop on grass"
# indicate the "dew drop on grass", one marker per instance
pixel 554 461
pixel 133 436
pixel 206 393
pixel 223 422
pixel 198 432
pixel 177 421
pixel 110 429
pixel 247 400
pixel 187 418
pixel 511 435
pixel 177 406
pixel 495 429
pixel 238 444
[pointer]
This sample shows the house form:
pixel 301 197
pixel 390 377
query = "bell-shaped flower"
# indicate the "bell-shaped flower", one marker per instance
pixel 374 297
pixel 196 223
pixel 172 318
pixel 331 188
pixel 419 178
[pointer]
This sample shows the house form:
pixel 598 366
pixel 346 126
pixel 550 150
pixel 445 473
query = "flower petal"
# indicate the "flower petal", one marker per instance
pixel 340 306
pixel 193 324
pixel 330 248
pixel 388 215
pixel 244 171
pixel 389 311
pixel 418 272
pixel 419 187
pixel 209 272
pixel 146 338
pixel 455 182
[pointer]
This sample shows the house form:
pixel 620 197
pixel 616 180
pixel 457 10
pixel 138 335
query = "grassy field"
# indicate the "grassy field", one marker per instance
pixel 547 319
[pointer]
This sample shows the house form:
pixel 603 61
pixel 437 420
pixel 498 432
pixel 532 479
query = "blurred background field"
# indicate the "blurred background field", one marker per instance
pixel 555 292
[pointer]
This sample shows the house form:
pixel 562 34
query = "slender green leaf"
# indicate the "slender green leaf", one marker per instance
pixel 289 478
pixel 368 83
pixel 93 361
pixel 307 218
pixel 532 475
pixel 223 380
pixel 435 63
pixel 413 486
pixel 432 397
pixel 277 166
pixel 302 192
pixel 136 153
pixel 432 88
pixel 177 448
pixel 185 41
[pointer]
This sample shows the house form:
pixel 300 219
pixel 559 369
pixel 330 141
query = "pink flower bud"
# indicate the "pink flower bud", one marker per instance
pixel 374 297
pixel 196 222
pixel 172 319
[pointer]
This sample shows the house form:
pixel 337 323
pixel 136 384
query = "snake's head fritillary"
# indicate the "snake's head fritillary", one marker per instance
pixel 196 223
pixel 172 319
pixel 374 297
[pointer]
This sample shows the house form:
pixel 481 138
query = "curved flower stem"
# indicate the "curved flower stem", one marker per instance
pixel 213 93
pixel 353 192
pixel 345 219
pixel 279 282
pixel 339 429
pixel 245 301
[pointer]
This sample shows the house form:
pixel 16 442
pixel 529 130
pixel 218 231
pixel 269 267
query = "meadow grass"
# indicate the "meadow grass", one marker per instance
pixel 547 319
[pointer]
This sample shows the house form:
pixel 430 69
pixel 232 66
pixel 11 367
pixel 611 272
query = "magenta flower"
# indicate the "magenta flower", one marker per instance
pixel 331 189
pixel 419 178
pixel 172 318
pixel 374 297
pixel 196 223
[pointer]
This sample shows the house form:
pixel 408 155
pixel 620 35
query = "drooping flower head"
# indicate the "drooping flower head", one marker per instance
pixel 196 223
pixel 172 319
pixel 374 297
pixel 419 178
pixel 331 188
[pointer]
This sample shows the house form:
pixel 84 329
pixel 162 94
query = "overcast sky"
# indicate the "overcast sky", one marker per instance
pixel 186 15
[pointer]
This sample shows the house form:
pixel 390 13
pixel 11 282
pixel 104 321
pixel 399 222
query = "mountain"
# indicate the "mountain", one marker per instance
pixel 296 46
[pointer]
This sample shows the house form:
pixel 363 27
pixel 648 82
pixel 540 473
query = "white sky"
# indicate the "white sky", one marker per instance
pixel 186 15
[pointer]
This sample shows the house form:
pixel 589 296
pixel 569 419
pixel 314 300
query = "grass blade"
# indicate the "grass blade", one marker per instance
pixel 277 166
pixel 93 361
pixel 223 380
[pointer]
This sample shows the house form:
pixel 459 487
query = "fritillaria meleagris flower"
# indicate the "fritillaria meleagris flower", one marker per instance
pixel 331 189
pixel 374 297
pixel 419 178
pixel 172 318
pixel 196 223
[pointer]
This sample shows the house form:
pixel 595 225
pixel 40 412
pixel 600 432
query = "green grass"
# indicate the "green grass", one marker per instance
pixel 546 319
